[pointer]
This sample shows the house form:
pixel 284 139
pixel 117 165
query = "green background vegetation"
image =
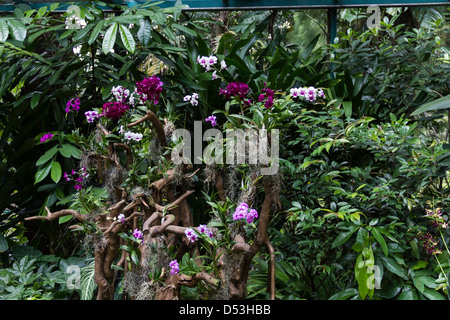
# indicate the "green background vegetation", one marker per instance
pixel 358 172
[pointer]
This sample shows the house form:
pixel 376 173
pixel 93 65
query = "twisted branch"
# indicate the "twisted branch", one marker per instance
pixel 61 213
pixel 159 128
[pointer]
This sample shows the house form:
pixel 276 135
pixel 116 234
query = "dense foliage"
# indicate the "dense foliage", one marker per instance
pixel 90 100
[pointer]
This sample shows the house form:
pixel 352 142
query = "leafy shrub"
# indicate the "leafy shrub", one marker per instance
pixel 362 192
pixel 34 276
pixel 390 69
pixel 360 182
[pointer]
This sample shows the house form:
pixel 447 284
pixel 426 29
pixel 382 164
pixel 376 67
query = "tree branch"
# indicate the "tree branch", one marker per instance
pixel 55 215
pixel 150 115
pixel 154 231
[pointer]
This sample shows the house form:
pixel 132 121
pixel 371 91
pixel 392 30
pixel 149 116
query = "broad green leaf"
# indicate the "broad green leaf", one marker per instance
pixel 377 235
pixel 66 153
pixel 184 29
pixel 54 6
pixel 345 294
pixel 428 281
pixel 432 294
pixel 134 257
pixel 4 31
pixel 112 137
pixel 215 224
pixel 347 105
pixel 127 18
pixel 47 156
pixel 39 33
pixel 239 116
pixel 408 293
pixel 307 50
pixel 19 31
pixel 74 151
pixel 96 31
pixel 87 281
pixel 127 38
pixel 35 100
pixel 43 172
pixel 159 17
pixel 393 266
pixel 127 248
pixel 418 284
pixel 439 104
pixel 342 238
pixel 110 38
pixel 56 172
pixel 361 186
pixel 361 276
pixel 64 219
pixel 414 248
pixel 420 265
pixel 145 31
pixel 170 48
pixel 41 12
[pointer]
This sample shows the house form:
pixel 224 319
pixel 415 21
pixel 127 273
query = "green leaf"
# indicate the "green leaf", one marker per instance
pixel 83 32
pixel 345 294
pixel 127 39
pixel 87 281
pixel 428 281
pixel 377 235
pixel 420 265
pixel 41 12
pixel 56 172
pixel 43 172
pixel 432 294
pixel 74 151
pixel 184 29
pixel 238 116
pixel 439 104
pixel 408 293
pixel 127 248
pixel 3 243
pixel 134 257
pixel 47 156
pixel 4 31
pixel 64 219
pixel 414 248
pixel 112 137
pixel 145 31
pixel 110 38
pixel 127 18
pixel 418 284
pixel 347 105
pixel 306 52
pixel 393 266
pixel 65 152
pixel 96 32
pixel 343 237
pixel 19 31
pixel 35 100
pixel 361 276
